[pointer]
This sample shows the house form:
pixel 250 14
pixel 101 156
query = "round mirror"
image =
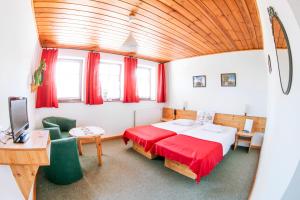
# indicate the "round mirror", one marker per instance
pixel 283 51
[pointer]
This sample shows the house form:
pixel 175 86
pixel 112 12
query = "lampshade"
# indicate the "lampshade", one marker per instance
pixel 130 44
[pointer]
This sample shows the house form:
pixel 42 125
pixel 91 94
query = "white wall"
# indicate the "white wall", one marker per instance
pixel 281 150
pixel 114 117
pixel 251 88
pixel 19 55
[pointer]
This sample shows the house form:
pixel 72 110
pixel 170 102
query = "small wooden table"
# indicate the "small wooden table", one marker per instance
pixel 243 137
pixel 89 133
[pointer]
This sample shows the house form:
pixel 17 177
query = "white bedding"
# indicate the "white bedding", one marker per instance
pixel 178 125
pixel 226 136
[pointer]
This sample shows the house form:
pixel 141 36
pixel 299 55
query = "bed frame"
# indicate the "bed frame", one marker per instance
pixel 180 168
pixel 138 148
pixel 236 121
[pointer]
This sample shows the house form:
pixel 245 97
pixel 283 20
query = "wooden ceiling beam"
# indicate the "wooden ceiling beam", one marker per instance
pixel 95 47
pixel 180 38
pixel 219 24
pixel 52 35
pixel 122 14
pixel 164 29
pixel 247 18
pixel 67 19
pixel 98 27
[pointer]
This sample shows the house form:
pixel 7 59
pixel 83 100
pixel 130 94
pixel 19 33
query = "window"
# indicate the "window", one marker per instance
pixel 69 79
pixel 110 77
pixel 144 82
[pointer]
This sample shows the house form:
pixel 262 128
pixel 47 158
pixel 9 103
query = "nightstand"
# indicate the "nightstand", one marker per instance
pixel 243 137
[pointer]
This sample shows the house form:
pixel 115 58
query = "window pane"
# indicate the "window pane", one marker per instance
pixel 68 79
pixel 110 81
pixel 144 82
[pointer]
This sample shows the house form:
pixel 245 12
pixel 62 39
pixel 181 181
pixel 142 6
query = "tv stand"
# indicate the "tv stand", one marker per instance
pixel 23 137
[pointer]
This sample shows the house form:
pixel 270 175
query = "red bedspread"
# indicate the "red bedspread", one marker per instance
pixel 146 136
pixel 200 155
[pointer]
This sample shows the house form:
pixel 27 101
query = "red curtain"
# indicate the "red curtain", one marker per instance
pixel 130 83
pixel 93 89
pixel 46 93
pixel 161 84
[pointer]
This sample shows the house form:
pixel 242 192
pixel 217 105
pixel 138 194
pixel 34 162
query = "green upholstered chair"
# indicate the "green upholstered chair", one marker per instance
pixel 64 124
pixel 64 159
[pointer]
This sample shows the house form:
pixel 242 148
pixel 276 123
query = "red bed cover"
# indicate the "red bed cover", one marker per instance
pixel 146 136
pixel 200 155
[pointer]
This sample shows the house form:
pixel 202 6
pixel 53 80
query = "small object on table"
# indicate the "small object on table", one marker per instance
pixel 88 133
pixel 243 137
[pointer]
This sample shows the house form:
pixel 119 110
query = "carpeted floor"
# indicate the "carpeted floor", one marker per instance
pixel 126 175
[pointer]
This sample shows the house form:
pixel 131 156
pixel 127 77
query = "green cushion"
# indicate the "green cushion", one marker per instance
pixel 64 162
pixel 54 133
pixel 65 134
pixel 64 124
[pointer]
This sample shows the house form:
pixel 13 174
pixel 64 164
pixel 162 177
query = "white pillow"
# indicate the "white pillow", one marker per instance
pixel 212 128
pixel 205 116
pixel 184 122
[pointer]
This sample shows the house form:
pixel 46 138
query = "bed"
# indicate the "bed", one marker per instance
pixel 144 137
pixel 195 152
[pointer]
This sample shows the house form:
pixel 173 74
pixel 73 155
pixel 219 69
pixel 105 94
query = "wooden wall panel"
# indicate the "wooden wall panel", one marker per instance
pixel 164 29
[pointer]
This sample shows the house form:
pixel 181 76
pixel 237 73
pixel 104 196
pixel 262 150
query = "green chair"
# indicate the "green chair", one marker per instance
pixel 64 124
pixel 64 159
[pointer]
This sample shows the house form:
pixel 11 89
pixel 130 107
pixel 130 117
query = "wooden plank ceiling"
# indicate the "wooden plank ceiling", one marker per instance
pixel 164 29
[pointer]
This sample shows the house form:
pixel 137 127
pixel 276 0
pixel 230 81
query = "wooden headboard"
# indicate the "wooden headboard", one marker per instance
pixel 236 121
pixel 168 113
pixel 185 114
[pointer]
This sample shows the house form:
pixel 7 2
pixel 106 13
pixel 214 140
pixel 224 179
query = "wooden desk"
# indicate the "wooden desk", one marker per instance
pixel 25 159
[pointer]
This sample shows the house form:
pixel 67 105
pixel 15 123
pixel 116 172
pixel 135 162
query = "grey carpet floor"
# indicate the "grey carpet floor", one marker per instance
pixel 126 175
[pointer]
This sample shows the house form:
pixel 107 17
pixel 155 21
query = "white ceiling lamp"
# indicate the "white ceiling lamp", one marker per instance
pixel 130 44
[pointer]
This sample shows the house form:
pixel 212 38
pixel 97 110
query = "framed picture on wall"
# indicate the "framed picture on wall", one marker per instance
pixel 228 80
pixel 199 81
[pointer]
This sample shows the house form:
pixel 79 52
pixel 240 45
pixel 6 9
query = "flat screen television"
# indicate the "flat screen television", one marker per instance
pixel 18 114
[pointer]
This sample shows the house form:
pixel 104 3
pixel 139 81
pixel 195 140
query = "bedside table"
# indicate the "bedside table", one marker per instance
pixel 243 137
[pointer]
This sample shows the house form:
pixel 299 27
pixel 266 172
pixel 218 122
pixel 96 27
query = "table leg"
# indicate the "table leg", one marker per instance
pixel 99 150
pixel 250 145
pixel 79 146
pixel 236 142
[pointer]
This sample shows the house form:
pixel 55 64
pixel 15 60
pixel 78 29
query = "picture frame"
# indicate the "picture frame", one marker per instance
pixel 199 81
pixel 228 80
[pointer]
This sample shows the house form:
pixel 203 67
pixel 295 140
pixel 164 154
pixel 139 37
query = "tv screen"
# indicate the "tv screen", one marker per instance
pixel 18 116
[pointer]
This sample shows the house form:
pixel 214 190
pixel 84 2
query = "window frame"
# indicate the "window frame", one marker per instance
pixel 107 62
pixel 74 99
pixel 150 85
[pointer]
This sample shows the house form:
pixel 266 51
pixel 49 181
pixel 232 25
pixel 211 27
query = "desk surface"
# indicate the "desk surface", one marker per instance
pixel 25 159
pixel 38 139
